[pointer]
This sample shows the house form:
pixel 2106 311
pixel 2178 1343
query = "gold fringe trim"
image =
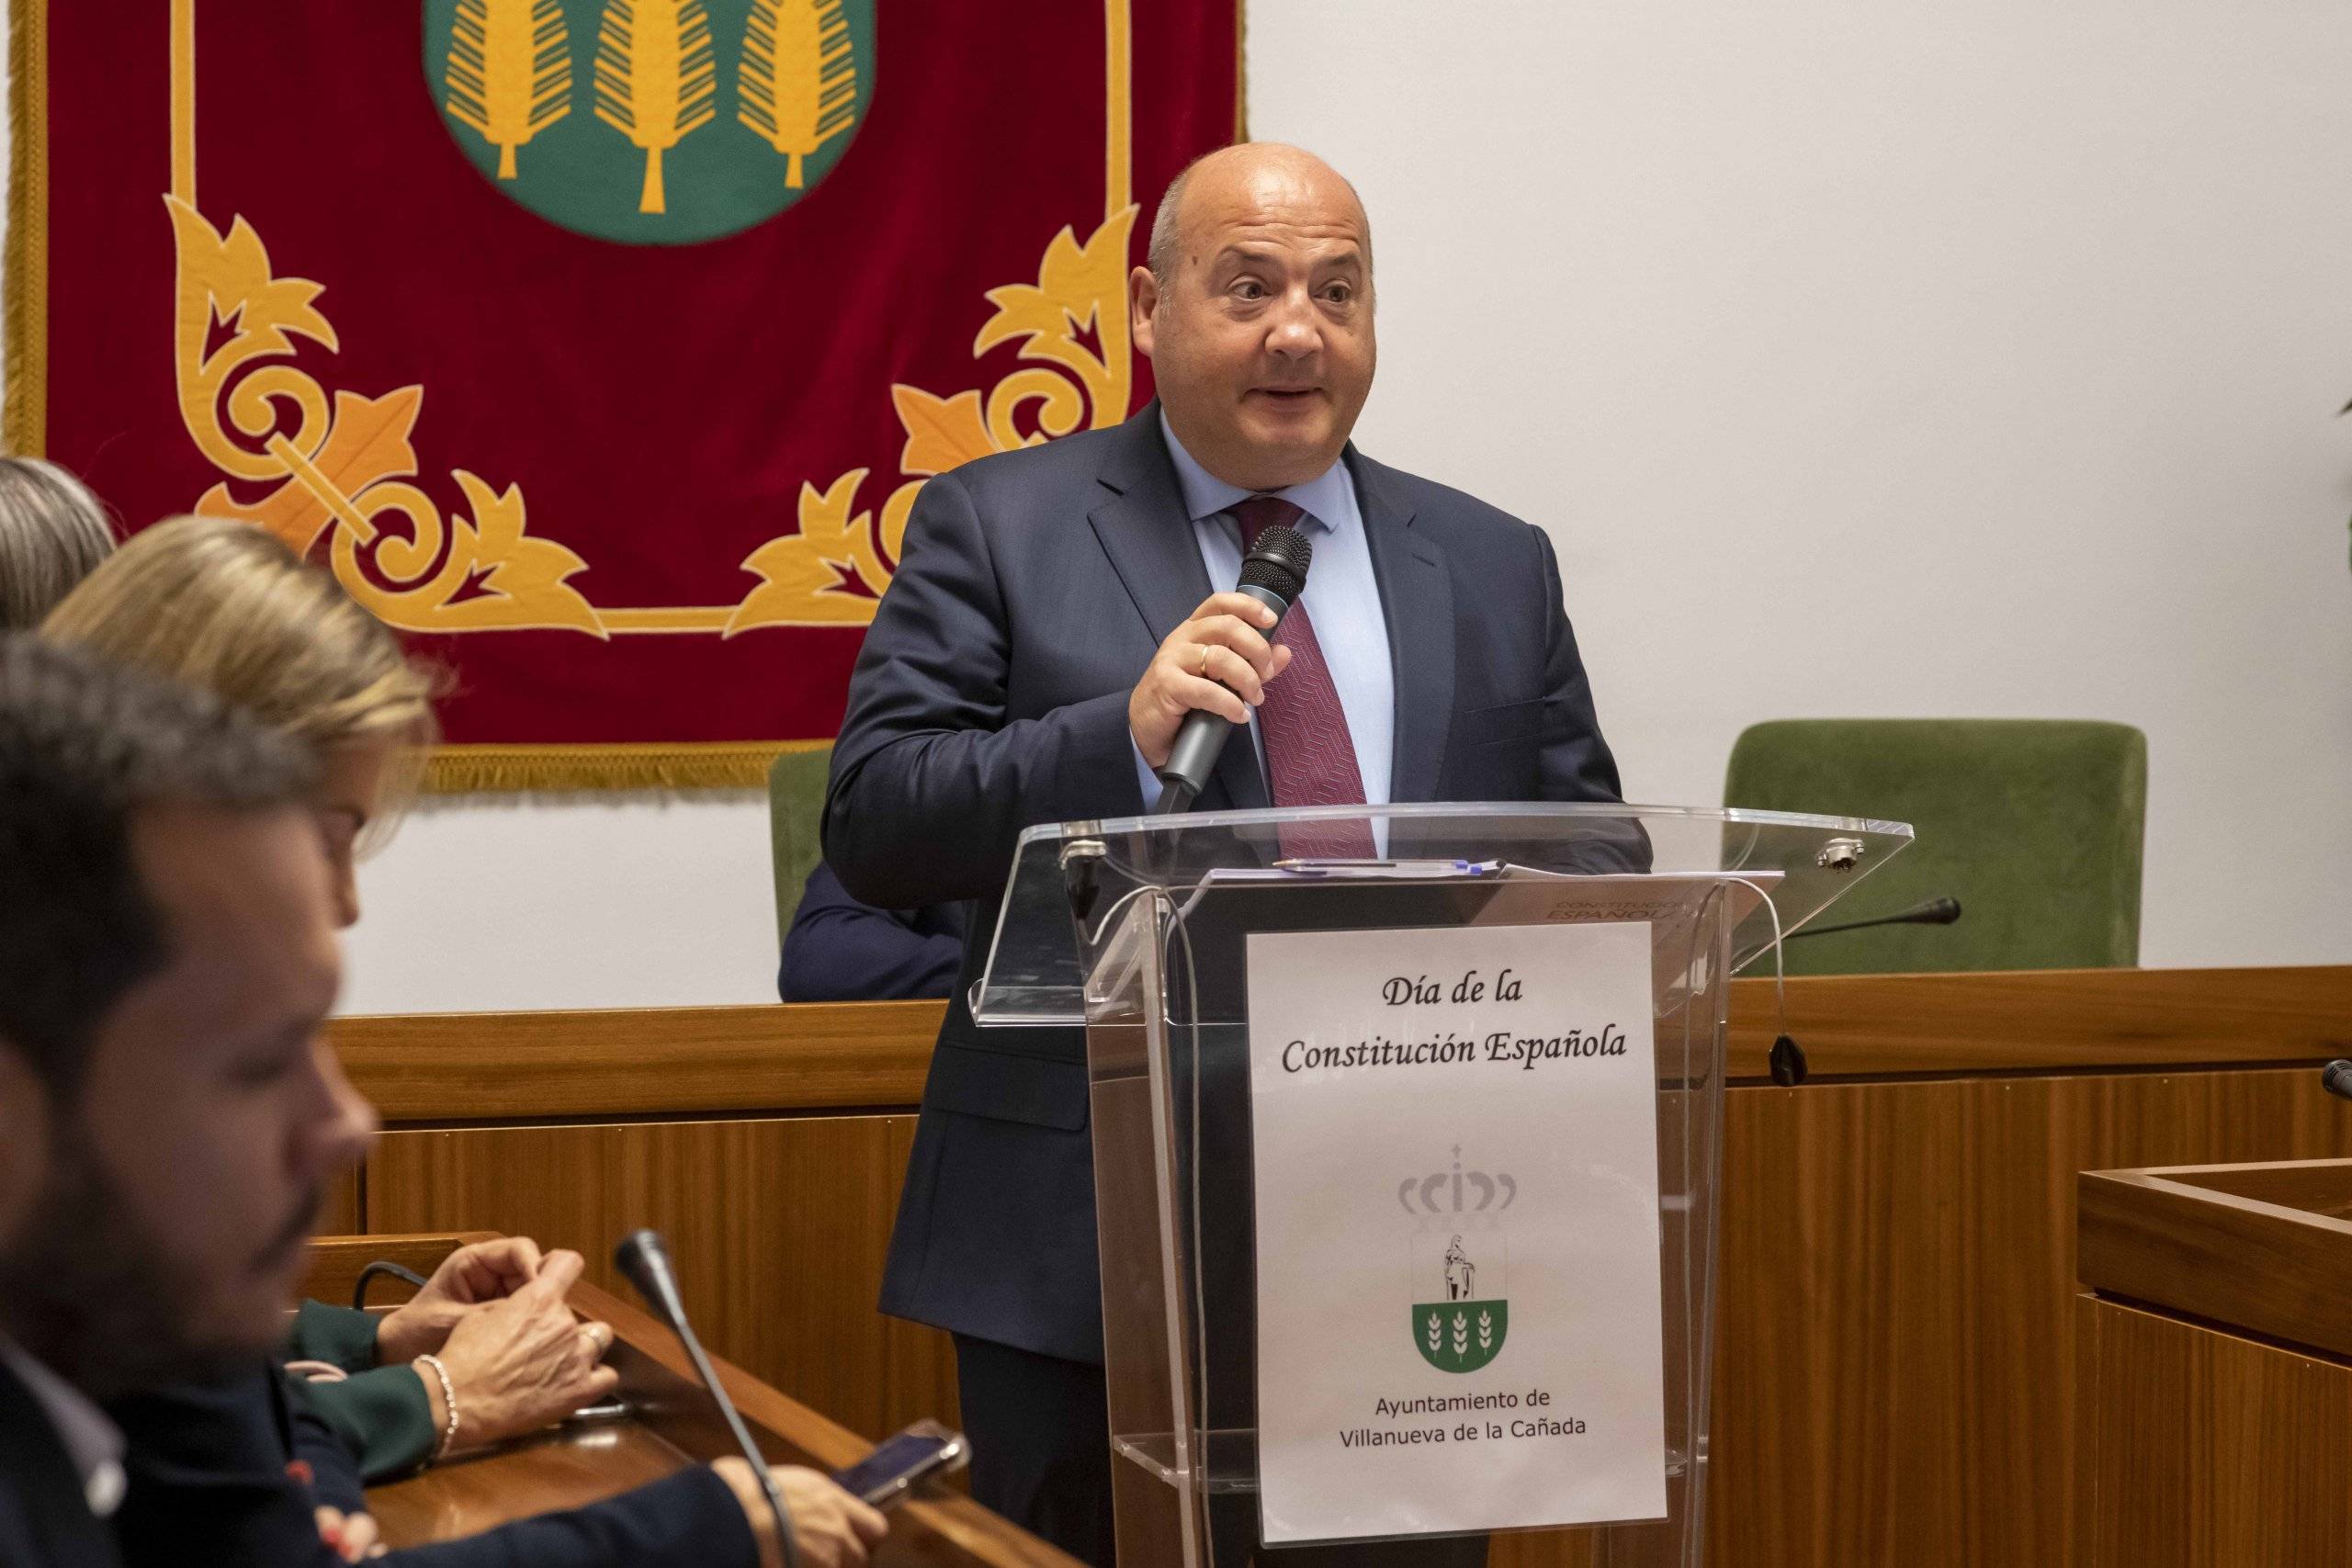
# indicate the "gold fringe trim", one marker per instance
pixel 24 303
pixel 1240 72
pixel 506 769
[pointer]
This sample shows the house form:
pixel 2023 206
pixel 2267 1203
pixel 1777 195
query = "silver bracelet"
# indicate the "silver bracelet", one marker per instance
pixel 448 1402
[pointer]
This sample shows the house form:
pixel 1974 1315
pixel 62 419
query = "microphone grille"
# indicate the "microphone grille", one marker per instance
pixel 1278 562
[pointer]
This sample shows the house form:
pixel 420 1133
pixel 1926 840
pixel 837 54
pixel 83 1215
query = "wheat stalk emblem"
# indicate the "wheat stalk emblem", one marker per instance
pixel 799 82
pixel 1461 1334
pixel 510 72
pixel 1486 1331
pixel 1436 1334
pixel 656 79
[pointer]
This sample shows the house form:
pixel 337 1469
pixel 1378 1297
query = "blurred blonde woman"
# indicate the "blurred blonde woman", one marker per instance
pixel 227 607
pixel 53 533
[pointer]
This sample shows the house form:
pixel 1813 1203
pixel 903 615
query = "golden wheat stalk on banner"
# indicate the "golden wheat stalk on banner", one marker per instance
pixel 510 72
pixel 799 82
pixel 656 79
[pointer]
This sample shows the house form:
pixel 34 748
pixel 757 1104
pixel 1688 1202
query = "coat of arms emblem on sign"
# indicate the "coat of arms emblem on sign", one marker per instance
pixel 1461 1256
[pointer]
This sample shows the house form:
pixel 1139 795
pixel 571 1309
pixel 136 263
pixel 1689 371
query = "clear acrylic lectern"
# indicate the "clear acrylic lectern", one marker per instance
pixel 1140 930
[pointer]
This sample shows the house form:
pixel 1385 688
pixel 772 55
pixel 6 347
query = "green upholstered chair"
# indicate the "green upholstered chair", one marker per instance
pixel 2034 824
pixel 795 819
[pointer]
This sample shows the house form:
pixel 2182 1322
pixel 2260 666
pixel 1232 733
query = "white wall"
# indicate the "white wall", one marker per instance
pixel 1870 358
pixel 1861 358
pixel 580 901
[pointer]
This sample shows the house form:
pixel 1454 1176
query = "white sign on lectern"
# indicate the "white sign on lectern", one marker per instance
pixel 1457 1229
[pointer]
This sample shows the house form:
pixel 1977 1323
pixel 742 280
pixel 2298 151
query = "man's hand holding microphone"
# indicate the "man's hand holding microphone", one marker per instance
pixel 1218 660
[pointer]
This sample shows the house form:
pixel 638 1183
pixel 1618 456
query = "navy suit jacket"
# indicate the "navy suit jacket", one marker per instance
pixel 45 1520
pixel 210 1489
pixel 991 695
pixel 842 950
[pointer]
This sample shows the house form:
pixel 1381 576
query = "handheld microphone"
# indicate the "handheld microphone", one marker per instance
pixel 1274 574
pixel 2337 1079
pixel 1933 912
pixel 644 1256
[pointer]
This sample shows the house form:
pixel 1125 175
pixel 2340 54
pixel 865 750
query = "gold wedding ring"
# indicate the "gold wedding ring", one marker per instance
pixel 1204 661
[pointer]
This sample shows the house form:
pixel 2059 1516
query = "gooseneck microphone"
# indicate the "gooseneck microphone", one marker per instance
pixel 644 1256
pixel 1933 912
pixel 2337 1079
pixel 1274 574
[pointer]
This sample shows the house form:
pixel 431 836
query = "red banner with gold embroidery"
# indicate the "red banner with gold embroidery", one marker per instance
pixel 598 345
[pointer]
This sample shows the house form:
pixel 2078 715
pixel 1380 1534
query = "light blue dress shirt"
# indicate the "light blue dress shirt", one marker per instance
pixel 1343 598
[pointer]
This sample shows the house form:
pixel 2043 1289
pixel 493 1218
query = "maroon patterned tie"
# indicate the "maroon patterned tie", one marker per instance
pixel 1309 753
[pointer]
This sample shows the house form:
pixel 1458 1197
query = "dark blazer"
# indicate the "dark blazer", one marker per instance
pixel 210 1486
pixel 841 949
pixel 45 1521
pixel 1033 589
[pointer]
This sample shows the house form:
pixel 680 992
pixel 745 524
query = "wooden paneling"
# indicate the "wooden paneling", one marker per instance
pixel 1894 1359
pixel 2199 1251
pixel 2202 1449
pixel 2071 1020
pixel 2311 1186
pixel 778 1228
pixel 1539 1549
pixel 340 1211
pixel 487 1066
pixel 437 1068
pixel 336 1262
pixel 1895 1377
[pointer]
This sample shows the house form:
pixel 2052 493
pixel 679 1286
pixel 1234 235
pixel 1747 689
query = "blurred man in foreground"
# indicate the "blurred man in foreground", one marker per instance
pixel 167 1128
pixel 169 1118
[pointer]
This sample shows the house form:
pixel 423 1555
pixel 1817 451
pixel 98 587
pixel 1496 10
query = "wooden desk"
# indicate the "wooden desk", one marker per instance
pixel 1895 1352
pixel 672 1426
pixel 2215 1346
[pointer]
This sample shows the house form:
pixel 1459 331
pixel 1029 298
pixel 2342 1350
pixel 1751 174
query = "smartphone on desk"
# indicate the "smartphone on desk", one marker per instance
pixel 902 1463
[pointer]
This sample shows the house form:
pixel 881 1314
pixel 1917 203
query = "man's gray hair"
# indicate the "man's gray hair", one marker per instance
pixel 84 747
pixel 53 533
pixel 1161 257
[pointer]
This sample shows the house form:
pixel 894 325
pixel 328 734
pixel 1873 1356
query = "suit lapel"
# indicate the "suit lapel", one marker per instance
pixel 1417 601
pixel 1145 530
pixel 1141 522
pixel 55 1510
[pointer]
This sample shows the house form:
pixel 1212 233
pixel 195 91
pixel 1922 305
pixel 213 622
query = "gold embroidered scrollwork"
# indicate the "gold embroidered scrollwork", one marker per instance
pixel 345 459
pixel 833 569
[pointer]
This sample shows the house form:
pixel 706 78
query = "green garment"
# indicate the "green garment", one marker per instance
pixel 380 1412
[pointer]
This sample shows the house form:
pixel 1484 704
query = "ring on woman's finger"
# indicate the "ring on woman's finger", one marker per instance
pixel 1204 661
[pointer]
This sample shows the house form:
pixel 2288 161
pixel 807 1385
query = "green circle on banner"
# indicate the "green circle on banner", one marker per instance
pixel 651 122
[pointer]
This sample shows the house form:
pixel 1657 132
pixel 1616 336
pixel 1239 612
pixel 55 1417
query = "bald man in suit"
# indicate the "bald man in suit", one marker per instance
pixel 1052 623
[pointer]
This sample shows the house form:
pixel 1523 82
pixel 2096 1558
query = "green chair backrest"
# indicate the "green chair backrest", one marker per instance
pixel 2034 824
pixel 796 822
